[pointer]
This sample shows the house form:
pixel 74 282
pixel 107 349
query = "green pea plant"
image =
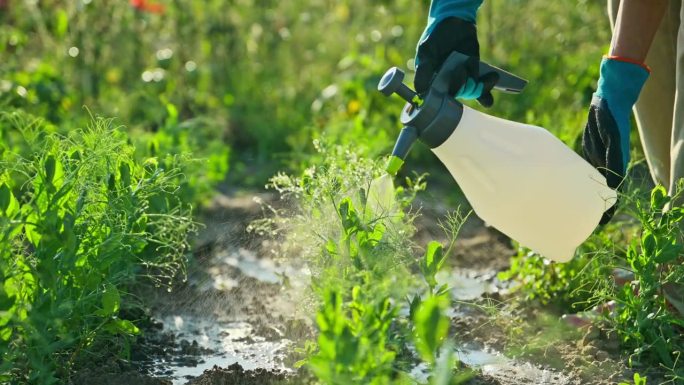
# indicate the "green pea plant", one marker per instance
pixel 645 318
pixel 81 220
pixel 638 380
pixel 646 241
pixel 363 267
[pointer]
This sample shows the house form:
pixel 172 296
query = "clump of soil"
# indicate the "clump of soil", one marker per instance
pixel 236 375
pixel 153 343
pixel 156 345
pixel 115 372
pixel 482 379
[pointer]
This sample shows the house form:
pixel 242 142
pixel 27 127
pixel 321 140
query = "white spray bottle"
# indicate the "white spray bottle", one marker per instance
pixel 519 178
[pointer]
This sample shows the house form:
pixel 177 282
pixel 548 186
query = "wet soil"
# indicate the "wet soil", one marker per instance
pixel 512 345
pixel 115 376
pixel 237 306
pixel 236 375
pixel 240 314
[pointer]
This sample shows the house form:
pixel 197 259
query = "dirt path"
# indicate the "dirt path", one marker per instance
pixel 234 307
pixel 237 318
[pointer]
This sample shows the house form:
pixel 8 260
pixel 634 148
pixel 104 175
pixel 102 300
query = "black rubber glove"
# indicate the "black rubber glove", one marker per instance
pixel 601 147
pixel 454 34
pixel 605 140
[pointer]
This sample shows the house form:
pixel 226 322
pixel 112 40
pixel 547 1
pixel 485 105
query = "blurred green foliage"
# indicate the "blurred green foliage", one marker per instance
pixel 558 47
pixel 267 76
pixel 254 71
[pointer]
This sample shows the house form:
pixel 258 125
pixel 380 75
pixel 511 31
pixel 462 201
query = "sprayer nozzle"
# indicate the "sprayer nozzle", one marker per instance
pixel 407 136
pixel 394 164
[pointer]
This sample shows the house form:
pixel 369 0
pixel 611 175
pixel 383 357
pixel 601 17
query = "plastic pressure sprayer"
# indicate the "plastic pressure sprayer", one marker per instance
pixel 518 178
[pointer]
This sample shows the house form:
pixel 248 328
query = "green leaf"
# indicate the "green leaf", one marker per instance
pixel 301 363
pixel 659 198
pixel 140 225
pixel 649 244
pixel 431 326
pixel 375 236
pixel 50 165
pixel 5 194
pixel 434 256
pixel 75 156
pixel 5 333
pixel 355 292
pixel 443 289
pixel 121 326
pixel 414 304
pixel 111 182
pixel 346 347
pixel 6 302
pixel 350 220
pixel 33 233
pixel 638 380
pixel 668 252
pixel 125 174
pixel 8 204
pixel 111 299
pixel 385 310
pixel 432 262
pixel 331 247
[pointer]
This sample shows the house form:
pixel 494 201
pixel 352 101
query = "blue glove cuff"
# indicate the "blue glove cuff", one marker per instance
pixel 619 85
pixel 441 9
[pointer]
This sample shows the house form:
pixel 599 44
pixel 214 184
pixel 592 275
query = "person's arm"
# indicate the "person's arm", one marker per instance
pixel 605 140
pixel 636 25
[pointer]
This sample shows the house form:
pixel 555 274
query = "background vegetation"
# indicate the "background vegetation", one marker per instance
pixel 267 76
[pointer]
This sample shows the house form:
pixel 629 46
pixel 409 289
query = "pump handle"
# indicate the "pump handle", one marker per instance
pixel 393 82
pixel 507 81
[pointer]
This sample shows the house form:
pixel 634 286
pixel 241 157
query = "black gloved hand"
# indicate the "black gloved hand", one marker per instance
pixel 605 140
pixel 454 34
pixel 601 147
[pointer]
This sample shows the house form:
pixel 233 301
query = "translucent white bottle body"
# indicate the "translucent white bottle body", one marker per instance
pixel 526 183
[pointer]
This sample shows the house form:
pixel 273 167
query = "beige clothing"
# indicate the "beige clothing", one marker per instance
pixel 660 109
pixel 660 112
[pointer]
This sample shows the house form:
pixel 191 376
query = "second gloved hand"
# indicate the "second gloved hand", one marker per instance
pixel 605 140
pixel 438 42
